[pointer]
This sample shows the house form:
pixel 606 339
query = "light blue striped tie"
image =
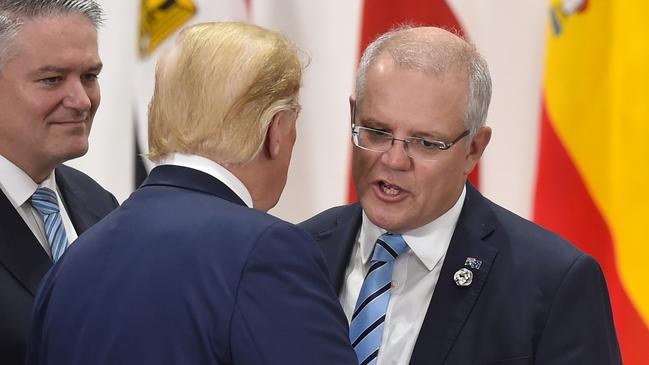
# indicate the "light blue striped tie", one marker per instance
pixel 45 202
pixel 366 328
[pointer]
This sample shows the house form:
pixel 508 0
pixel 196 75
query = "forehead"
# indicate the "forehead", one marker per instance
pixel 414 100
pixel 58 40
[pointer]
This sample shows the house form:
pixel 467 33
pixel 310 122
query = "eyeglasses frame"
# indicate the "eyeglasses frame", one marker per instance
pixel 441 145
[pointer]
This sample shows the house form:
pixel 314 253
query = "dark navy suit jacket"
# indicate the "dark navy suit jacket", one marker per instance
pixel 23 262
pixel 184 273
pixel 536 299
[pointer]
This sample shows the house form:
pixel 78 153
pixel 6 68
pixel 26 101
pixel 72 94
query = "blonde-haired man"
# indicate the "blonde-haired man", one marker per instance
pixel 187 272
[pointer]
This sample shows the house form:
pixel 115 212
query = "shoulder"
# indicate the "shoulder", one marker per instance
pixel 283 241
pixel 70 174
pixel 532 239
pixel 539 259
pixel 331 218
pixel 75 181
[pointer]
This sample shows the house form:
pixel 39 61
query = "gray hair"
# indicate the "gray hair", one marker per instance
pixel 13 14
pixel 434 51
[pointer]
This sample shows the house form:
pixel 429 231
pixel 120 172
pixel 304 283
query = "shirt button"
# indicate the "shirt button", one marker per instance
pixel 395 284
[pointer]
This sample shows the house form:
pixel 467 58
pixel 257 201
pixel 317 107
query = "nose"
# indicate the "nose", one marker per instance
pixel 77 97
pixel 397 157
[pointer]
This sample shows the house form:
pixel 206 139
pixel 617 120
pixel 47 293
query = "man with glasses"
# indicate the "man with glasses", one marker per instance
pixel 428 270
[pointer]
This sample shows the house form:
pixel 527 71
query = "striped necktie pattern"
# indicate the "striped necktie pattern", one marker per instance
pixel 366 327
pixel 45 202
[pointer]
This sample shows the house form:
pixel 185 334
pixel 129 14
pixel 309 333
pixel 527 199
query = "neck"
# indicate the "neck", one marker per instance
pixel 254 177
pixel 36 173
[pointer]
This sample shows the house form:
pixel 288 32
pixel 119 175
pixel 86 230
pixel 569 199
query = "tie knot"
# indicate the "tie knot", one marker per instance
pixel 388 247
pixel 44 201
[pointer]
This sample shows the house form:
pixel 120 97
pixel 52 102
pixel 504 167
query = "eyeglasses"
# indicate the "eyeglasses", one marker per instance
pixel 416 147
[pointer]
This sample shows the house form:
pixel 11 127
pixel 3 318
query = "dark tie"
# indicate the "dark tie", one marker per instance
pixel 366 328
pixel 45 202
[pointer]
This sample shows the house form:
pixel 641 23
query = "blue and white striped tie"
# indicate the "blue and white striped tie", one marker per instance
pixel 366 328
pixel 45 202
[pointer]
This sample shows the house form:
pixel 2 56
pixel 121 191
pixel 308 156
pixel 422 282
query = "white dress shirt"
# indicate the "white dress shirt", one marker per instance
pixel 414 278
pixel 211 168
pixel 18 187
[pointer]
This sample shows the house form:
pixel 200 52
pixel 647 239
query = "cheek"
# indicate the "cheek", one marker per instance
pixel 360 165
pixel 438 178
pixel 46 104
pixel 95 98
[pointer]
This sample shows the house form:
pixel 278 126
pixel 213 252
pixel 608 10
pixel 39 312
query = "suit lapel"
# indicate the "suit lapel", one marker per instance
pixel 20 251
pixel 76 202
pixel 188 178
pixel 450 304
pixel 337 242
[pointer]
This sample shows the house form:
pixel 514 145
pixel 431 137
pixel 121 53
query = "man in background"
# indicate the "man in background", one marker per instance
pixel 49 94
pixel 191 270
pixel 427 269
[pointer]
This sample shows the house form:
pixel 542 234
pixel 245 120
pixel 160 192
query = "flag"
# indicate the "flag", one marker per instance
pixel 592 168
pixel 379 16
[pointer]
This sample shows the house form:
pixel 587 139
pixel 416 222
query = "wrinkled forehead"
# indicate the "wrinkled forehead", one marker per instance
pixel 414 99
pixel 13 27
pixel 68 42
pixel 64 25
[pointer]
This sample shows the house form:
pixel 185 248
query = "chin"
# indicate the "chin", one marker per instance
pixel 75 151
pixel 384 219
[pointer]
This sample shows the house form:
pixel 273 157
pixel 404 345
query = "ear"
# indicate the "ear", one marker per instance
pixel 273 136
pixel 352 106
pixel 478 145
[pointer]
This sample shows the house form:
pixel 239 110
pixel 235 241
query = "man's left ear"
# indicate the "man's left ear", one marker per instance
pixel 478 145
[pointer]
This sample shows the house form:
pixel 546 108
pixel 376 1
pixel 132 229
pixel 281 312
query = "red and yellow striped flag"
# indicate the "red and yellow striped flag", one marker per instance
pixel 592 166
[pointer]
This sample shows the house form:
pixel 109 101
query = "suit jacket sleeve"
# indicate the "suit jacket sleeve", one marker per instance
pixel 579 327
pixel 286 311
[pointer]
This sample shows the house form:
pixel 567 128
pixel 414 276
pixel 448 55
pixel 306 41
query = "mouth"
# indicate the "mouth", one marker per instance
pixel 72 119
pixel 389 192
pixel 70 122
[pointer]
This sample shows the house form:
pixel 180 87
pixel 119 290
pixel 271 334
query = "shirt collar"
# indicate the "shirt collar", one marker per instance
pixel 428 243
pixel 17 185
pixel 211 168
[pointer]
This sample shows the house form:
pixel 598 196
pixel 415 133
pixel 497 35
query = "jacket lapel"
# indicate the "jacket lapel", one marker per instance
pixel 451 304
pixel 337 242
pixel 20 251
pixel 76 201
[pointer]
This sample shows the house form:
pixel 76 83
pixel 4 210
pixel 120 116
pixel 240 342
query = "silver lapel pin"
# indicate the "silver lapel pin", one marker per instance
pixel 463 277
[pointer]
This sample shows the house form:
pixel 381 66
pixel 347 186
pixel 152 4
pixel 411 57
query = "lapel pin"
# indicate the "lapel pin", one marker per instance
pixel 473 263
pixel 463 277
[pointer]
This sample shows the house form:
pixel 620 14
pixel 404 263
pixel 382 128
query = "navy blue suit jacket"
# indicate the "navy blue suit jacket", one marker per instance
pixel 184 273
pixel 23 262
pixel 536 299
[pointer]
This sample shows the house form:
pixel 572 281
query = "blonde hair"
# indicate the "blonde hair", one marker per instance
pixel 218 89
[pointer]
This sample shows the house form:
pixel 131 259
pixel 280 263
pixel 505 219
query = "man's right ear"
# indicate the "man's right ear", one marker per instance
pixel 273 136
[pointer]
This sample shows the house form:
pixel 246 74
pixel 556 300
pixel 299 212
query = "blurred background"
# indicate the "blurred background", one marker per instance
pixel 569 113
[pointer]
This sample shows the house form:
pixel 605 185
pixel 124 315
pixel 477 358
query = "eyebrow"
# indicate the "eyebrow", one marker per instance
pixel 376 124
pixel 63 70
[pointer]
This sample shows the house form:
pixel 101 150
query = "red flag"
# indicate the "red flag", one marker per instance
pixel 592 169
